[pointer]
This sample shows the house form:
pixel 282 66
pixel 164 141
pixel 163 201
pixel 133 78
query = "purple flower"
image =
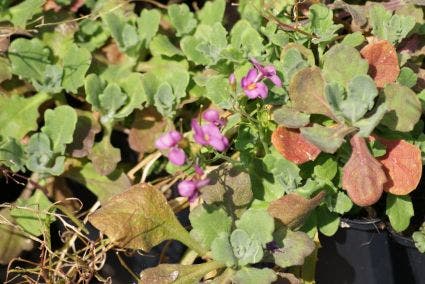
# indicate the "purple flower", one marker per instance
pixel 211 115
pixel 169 141
pixel 190 188
pixel 268 72
pixel 251 85
pixel 209 134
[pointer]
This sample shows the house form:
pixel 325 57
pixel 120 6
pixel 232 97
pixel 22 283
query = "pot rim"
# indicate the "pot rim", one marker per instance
pixel 366 224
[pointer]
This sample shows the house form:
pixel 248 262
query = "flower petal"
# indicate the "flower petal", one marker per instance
pixel 211 115
pixel 186 188
pixel 177 156
pixel 263 91
pixel 276 80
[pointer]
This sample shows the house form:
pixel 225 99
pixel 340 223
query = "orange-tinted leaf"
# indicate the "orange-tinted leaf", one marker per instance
pixel 363 177
pixel 383 62
pixel 293 146
pixel 292 208
pixel 402 164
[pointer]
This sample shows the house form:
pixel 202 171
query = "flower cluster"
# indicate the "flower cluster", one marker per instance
pixel 169 141
pixel 190 188
pixel 253 84
pixel 209 134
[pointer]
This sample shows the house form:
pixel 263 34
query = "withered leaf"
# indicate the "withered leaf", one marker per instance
pixel 363 177
pixel 85 130
pixel 292 208
pixel 383 62
pixel 138 218
pixel 293 146
pixel 402 164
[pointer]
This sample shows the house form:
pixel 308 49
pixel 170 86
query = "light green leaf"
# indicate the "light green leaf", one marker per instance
pixel 354 39
pixel 102 186
pixel 322 25
pixel 94 86
pixel 140 218
pixel 339 203
pixel 208 222
pixel 76 62
pixel 250 275
pixel 132 85
pixel 110 101
pixel 407 77
pixel 296 246
pixel 361 94
pixel 258 224
pixel 148 25
pixel 12 154
pixel 419 238
pixel 29 58
pixel 125 34
pixel 246 249
pixel 59 125
pixel 19 114
pixel 34 217
pixel 246 39
pixel 289 117
pixel 404 108
pixel 390 27
pixel 327 169
pixel 353 66
pixel 164 100
pixel 52 80
pixel 181 18
pixel 327 139
pixel 328 222
pixel 218 90
pixel 212 12
pixel 222 250
pixel 161 45
pixel 367 125
pixel 5 69
pixel 292 61
pixel 91 34
pixel 23 12
pixel 399 210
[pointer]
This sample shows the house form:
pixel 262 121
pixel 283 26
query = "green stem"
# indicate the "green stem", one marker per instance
pixel 180 234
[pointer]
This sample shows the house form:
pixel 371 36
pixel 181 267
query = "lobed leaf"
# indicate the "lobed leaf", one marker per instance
pixel 181 18
pixel 259 225
pixel 251 275
pixel 399 210
pixel 326 139
pixel 288 117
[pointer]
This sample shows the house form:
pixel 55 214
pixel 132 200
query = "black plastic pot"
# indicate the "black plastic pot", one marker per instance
pixel 408 262
pixel 358 253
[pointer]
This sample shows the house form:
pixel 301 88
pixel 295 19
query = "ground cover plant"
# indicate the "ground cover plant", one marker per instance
pixel 266 121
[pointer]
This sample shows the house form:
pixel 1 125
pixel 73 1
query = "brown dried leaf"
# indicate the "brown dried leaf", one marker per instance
pixel 85 131
pixel 307 92
pixel 292 208
pixel 363 177
pixel 402 164
pixel 383 62
pixel 146 125
pixel 138 218
pixel 113 54
pixel 293 146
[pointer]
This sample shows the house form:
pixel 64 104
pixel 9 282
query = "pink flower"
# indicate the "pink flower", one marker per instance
pixel 209 134
pixel 252 87
pixel 211 115
pixel 190 188
pixel 268 72
pixel 169 141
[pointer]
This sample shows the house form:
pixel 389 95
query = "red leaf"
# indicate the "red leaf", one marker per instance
pixel 293 146
pixel 383 62
pixel 402 164
pixel 363 177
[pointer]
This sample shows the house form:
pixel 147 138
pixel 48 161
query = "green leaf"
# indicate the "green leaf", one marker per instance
pixel 23 12
pixel 327 139
pixel 148 25
pixel 419 239
pixel 328 222
pixel 177 273
pixel 41 158
pixel 29 58
pixel 399 210
pixel 165 100
pixel 110 101
pixel 19 114
pixel 407 77
pixel 132 85
pixel 124 33
pixel 307 92
pixel 12 240
pixel 246 249
pixel 33 217
pixel 322 25
pixel 161 45
pixel 212 12
pixel 91 34
pixel 367 125
pixel 59 125
pixel 390 27
pixel 290 117
pixel 104 187
pixel 218 90
pixel 52 80
pixel 339 203
pixel 140 218
pixel 250 275
pixel 246 39
pixel 222 250
pixel 208 222
pixel 404 108
pixel 361 94
pixel 353 66
pixel 76 62
pixel 296 246
pixel 5 69
pixel 12 154
pixel 181 18
pixel 293 62
pixel 354 39
pixel 229 186
pixel 258 224
pixel 325 170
